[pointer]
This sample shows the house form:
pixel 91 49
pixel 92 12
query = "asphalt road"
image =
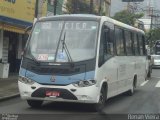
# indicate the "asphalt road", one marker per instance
pixel 146 100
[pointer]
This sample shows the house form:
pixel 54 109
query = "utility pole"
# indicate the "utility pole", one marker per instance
pixel 38 8
pixel 151 19
pixel 74 6
pixel 128 6
pixel 91 6
pixel 100 7
pixel 55 7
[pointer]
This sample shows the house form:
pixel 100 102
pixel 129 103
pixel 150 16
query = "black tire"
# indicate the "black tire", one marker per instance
pixel 132 90
pixel 151 68
pixel 149 72
pixel 34 103
pixel 98 107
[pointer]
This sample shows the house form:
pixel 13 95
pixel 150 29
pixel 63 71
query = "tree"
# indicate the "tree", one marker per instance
pixel 79 6
pixel 127 17
pixel 152 36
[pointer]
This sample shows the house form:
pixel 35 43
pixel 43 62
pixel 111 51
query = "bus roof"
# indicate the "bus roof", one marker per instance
pixel 72 16
pixel 90 17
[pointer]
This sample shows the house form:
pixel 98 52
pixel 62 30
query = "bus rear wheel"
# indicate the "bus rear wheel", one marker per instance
pixel 34 103
pixel 149 72
pixel 131 91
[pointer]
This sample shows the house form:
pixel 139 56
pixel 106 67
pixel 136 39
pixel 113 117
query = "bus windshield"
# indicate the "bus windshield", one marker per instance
pixel 55 41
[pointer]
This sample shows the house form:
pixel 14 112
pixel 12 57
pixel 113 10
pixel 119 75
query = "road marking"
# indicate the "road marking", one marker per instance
pixel 144 82
pixel 158 84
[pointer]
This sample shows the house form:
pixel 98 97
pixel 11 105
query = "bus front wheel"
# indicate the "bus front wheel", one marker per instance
pixel 102 100
pixel 34 103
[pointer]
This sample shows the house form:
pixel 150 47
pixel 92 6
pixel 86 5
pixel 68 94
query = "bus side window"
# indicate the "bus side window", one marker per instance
pixel 119 37
pixel 142 44
pixel 128 40
pixel 144 47
pixel 108 44
pixel 136 44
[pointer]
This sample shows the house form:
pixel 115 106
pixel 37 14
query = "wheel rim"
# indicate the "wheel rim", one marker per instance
pixel 133 87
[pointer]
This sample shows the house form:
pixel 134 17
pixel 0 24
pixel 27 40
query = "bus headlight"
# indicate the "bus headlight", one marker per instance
pixel 84 83
pixel 26 80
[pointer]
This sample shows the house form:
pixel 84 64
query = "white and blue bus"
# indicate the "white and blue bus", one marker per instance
pixel 81 58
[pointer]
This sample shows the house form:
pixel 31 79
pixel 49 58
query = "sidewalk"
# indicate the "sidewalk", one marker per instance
pixel 9 87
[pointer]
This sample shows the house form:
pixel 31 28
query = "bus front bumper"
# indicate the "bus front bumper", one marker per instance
pixel 67 93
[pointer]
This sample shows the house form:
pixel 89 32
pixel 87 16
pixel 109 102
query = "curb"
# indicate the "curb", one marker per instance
pixel 9 97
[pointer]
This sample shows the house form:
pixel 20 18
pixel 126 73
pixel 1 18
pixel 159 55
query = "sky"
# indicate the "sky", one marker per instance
pixel 118 5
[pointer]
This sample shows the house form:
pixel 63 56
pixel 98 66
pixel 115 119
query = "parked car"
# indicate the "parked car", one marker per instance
pixel 156 61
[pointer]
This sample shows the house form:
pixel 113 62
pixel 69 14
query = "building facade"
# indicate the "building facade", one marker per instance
pixel 15 17
pixel 51 10
pixel 103 6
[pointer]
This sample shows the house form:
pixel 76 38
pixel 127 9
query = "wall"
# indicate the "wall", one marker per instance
pixel 20 12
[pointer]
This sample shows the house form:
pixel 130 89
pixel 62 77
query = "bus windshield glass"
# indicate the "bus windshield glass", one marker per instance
pixel 60 41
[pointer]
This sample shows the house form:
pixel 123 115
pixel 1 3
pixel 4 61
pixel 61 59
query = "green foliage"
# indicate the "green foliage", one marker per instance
pixel 79 6
pixel 127 17
pixel 152 36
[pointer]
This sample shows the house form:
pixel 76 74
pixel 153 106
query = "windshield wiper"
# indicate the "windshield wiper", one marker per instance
pixel 34 59
pixel 64 47
pixel 59 42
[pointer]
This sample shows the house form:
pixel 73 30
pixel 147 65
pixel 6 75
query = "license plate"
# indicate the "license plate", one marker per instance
pixel 52 93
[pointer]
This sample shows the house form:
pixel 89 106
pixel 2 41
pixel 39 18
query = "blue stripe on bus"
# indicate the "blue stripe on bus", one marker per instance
pixel 22 72
pixel 60 80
